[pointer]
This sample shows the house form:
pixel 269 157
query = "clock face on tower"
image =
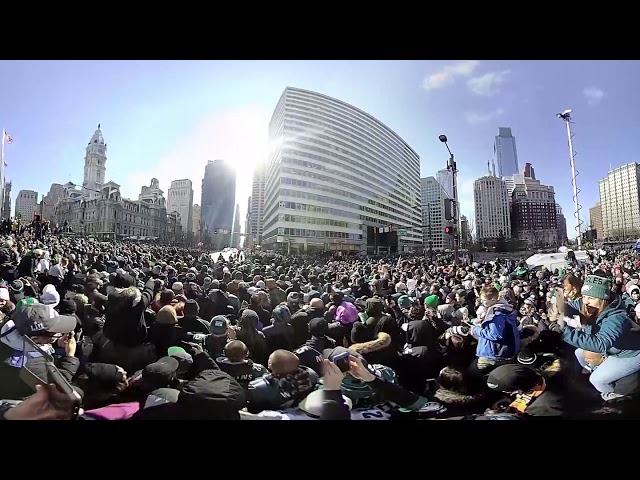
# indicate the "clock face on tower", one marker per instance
pixel 101 150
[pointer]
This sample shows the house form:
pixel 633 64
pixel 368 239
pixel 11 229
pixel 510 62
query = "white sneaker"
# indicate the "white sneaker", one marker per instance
pixel 608 396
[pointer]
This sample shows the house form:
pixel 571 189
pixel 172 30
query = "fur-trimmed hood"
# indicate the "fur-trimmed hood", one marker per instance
pixel 383 341
pixel 120 294
pixel 455 399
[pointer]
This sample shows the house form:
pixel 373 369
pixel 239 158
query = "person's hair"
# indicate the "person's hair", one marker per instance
pixel 575 286
pixel 489 292
pixel 454 379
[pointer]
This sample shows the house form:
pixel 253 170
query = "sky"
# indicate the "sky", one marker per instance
pixel 166 119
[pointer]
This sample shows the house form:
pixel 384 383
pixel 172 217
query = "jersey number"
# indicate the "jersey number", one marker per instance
pixel 373 414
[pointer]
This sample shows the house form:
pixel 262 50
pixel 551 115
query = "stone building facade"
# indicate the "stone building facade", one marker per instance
pixel 98 207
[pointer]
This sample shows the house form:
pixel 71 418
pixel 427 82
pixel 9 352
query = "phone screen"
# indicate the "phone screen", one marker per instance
pixel 342 361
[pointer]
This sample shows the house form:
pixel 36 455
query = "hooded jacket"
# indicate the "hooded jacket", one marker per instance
pixel 610 334
pixel 459 404
pixel 277 392
pixel 280 335
pixel 124 323
pixel 498 337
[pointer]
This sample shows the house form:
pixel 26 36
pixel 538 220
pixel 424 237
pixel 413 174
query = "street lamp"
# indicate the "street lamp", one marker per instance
pixel 451 165
pixel 566 117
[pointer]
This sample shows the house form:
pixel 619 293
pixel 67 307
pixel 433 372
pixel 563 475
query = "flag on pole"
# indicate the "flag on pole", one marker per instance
pixel 5 137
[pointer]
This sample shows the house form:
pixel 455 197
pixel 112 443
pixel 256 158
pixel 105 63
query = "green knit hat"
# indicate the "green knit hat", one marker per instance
pixel 597 287
pixel 432 301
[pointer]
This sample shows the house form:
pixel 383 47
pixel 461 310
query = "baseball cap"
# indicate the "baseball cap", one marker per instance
pixel 159 374
pixel 184 359
pixel 318 327
pixel 38 318
pixel 219 325
pixel 24 302
pixel 404 301
pixel 509 378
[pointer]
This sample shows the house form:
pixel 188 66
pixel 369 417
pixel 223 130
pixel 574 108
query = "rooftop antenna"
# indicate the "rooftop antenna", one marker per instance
pixel 566 116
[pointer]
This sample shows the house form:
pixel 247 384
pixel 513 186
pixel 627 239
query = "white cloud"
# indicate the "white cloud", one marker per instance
pixel 449 73
pixel 488 84
pixel 594 95
pixel 240 137
pixel 475 118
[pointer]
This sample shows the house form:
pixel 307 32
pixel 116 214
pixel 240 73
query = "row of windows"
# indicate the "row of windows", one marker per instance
pixel 342 183
pixel 395 162
pixel 319 210
pixel 361 121
pixel 334 201
pixel 378 179
pixel 306 128
pixel 303 232
pixel 285 217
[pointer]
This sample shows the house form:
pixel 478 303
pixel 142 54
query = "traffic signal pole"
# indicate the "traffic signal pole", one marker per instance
pixel 451 165
pixel 456 215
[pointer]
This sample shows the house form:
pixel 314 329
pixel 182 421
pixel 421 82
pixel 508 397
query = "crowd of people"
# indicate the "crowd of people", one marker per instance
pixel 130 331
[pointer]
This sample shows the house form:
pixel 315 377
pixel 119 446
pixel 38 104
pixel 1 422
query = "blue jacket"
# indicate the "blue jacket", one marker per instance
pixel 498 336
pixel 610 334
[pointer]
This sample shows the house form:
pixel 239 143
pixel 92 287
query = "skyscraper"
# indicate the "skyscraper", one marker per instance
pixel 26 205
pixel 218 203
pixel 492 208
pixel 445 179
pixel 620 202
pixel 562 225
pixel 6 205
pixel 339 180
pixel 180 199
pixel 257 204
pixel 433 220
pixel 236 238
pixel 196 224
pixel 56 192
pixel 533 213
pixel 506 154
pixel 595 219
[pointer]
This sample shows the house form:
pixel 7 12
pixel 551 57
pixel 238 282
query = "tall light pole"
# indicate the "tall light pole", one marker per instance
pixel 451 166
pixel 566 116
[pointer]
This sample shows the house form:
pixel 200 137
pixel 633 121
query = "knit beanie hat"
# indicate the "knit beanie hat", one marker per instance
pixel 597 287
pixel 431 301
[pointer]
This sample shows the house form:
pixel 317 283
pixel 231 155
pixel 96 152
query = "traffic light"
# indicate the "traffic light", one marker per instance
pixel 449 230
pixel 448 209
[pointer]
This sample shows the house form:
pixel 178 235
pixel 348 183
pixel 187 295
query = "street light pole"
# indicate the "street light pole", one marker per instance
pixel 566 116
pixel 451 165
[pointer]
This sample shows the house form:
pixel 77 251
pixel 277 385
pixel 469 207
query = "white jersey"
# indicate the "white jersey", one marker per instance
pixel 373 413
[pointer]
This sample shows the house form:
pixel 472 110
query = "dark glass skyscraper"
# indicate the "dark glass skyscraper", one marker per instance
pixel 218 202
